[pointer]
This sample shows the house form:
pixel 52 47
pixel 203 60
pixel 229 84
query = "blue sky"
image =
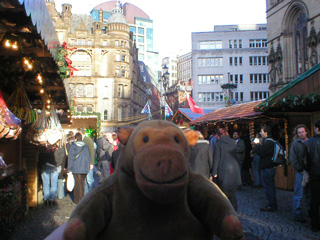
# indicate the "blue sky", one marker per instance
pixel 175 20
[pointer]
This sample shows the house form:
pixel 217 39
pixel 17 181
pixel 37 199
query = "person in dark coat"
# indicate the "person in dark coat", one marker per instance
pixel 298 160
pixel 268 168
pixel 49 174
pixel 79 164
pixel 104 152
pixel 116 155
pixel 226 170
pixel 201 158
pixel 313 162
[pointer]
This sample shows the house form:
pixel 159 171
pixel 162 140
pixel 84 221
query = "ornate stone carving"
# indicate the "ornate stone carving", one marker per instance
pixel 271 61
pixel 312 43
pixel 278 63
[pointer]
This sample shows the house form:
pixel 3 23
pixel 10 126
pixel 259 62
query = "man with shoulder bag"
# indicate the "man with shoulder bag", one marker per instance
pixel 79 164
pixel 268 167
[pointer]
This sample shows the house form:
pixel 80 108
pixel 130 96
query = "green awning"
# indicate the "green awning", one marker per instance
pixel 263 106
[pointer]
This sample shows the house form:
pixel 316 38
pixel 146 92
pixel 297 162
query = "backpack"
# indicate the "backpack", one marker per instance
pixel 279 155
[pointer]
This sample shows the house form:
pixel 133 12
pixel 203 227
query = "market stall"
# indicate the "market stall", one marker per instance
pixel 184 116
pixel 245 119
pixel 32 71
pixel 299 103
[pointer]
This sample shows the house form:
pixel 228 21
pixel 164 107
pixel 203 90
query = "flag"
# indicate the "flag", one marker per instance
pixel 146 109
pixel 194 108
pixel 167 110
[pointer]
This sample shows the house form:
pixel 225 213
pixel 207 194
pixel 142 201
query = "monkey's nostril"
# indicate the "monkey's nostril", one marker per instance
pixel 159 164
pixel 176 139
pixel 145 139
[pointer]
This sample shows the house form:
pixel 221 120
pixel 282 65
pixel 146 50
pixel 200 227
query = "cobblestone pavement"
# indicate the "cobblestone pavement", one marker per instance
pixel 258 225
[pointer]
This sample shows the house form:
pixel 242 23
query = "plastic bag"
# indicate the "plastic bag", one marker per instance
pixel 70 182
pixel 305 179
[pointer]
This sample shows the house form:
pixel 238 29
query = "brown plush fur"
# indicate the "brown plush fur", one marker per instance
pixel 153 194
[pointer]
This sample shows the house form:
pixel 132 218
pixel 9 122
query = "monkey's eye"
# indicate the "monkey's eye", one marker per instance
pixel 176 139
pixel 145 139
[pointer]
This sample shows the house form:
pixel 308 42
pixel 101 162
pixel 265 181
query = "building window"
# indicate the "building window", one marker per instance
pixel 79 108
pixel 116 43
pixel 255 96
pixel 104 43
pixel 89 90
pixel 81 60
pixel 210 79
pixel 123 57
pixel 141 30
pixel 141 57
pixel 105 114
pixel 210 45
pixel 140 39
pixel 210 96
pixel 117 71
pixel 210 62
pixel 119 113
pixel 259 78
pixel 240 43
pixel 231 61
pixel 235 44
pixel 120 91
pixel 258 43
pixel 73 42
pixel 90 42
pixel 79 90
pixel 133 29
pixel 258 60
pixel 89 109
pixel 118 57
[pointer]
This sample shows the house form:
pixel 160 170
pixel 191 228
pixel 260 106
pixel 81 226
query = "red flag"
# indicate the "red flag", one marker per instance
pixel 193 106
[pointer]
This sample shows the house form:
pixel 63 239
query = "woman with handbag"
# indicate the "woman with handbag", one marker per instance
pixel 79 164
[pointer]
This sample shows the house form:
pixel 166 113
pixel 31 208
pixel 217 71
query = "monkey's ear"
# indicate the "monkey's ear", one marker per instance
pixel 191 136
pixel 124 134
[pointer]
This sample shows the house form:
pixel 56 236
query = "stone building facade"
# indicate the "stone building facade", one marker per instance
pixel 293 39
pixel 108 78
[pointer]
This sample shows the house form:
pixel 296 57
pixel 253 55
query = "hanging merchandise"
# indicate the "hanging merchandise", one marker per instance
pixel 20 106
pixel 47 130
pixel 9 123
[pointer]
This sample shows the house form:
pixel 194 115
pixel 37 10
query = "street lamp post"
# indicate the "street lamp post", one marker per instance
pixel 228 102
pixel 164 79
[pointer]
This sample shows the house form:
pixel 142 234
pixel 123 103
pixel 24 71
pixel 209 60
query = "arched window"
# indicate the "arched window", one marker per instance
pixel 301 42
pixel 89 108
pixel 81 60
pixel 79 108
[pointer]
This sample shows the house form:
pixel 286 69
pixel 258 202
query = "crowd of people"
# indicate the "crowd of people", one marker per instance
pixel 229 167
pixel 90 162
pixel 228 162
